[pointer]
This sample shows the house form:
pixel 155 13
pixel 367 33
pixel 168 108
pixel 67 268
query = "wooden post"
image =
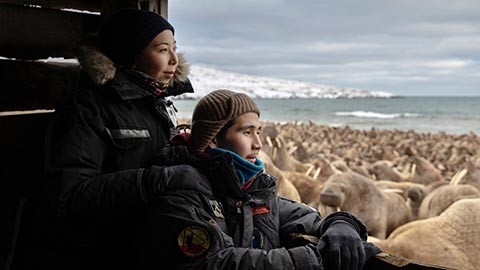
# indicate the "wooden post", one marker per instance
pixel 164 8
pixel 158 6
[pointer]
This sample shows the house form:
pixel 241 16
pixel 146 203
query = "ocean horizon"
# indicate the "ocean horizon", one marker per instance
pixel 422 114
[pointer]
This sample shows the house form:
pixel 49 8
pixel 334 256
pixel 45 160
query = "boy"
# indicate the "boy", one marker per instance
pixel 226 214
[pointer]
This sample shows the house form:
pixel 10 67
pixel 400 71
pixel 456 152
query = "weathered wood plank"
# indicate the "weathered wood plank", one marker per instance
pixel 163 8
pixel 36 33
pixel 90 5
pixel 158 6
pixel 29 85
pixel 28 32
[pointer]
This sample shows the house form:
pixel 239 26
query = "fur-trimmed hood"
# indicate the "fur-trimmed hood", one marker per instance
pixel 102 70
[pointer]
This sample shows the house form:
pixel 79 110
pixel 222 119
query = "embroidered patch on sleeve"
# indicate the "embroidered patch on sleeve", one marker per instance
pixel 193 241
pixel 216 208
pixel 260 209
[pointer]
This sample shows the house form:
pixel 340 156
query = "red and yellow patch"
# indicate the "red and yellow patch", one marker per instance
pixel 193 241
pixel 260 209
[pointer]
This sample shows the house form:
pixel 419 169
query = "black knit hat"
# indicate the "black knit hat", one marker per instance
pixel 214 111
pixel 126 33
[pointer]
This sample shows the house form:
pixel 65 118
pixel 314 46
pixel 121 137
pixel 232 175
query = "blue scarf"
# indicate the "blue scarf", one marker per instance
pixel 244 168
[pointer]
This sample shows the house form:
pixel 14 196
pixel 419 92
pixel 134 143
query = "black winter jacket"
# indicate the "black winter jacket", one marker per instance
pixel 221 225
pixel 98 155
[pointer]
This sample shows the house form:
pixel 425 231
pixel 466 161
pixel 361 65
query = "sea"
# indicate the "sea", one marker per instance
pixel 453 115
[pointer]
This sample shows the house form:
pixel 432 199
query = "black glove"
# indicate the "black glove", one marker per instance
pixel 171 155
pixel 341 247
pixel 370 250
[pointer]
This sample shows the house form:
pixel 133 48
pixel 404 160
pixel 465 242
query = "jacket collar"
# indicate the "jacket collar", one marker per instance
pixel 225 180
pixel 126 89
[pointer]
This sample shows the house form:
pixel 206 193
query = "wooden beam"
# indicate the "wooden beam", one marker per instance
pixel 111 6
pixel 90 5
pixel 159 6
pixel 81 5
pixel 37 33
pixel 31 85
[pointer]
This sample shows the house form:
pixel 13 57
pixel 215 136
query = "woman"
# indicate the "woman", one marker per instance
pixel 103 139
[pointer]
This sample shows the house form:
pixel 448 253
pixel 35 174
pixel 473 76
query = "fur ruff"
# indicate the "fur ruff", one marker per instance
pixel 102 70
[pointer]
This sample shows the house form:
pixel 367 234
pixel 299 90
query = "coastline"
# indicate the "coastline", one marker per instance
pixel 457 115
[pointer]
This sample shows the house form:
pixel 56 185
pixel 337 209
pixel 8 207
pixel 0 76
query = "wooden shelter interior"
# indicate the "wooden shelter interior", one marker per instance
pixel 32 31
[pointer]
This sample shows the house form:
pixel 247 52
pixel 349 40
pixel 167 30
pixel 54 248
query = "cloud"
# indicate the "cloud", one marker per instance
pixel 328 47
pixel 448 64
pixel 397 44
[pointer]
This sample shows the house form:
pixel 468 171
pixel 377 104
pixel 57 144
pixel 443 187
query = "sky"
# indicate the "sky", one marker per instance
pixel 405 47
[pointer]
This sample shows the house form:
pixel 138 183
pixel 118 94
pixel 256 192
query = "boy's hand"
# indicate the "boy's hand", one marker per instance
pixel 341 247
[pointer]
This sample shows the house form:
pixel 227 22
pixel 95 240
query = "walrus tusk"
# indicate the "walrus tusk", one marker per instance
pixel 392 190
pixel 317 172
pixel 412 172
pixel 310 169
pixel 292 150
pixel 458 177
pixel 274 154
pixel 269 141
pixel 278 142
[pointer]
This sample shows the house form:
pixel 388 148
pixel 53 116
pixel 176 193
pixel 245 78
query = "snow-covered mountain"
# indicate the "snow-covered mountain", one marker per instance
pixel 206 79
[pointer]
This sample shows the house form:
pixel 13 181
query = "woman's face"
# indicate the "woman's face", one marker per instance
pixel 159 59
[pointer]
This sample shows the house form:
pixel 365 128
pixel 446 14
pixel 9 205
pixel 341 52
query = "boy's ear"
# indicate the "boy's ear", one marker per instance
pixel 213 143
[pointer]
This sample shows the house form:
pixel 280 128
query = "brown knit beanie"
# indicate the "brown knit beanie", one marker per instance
pixel 214 111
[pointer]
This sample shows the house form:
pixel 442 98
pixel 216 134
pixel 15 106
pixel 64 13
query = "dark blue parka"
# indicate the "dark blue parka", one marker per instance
pixel 222 225
pixel 98 156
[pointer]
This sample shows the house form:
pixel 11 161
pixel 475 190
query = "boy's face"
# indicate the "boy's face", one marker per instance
pixel 159 59
pixel 243 137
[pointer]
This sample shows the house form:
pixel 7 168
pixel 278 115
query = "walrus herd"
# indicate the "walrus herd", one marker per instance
pixel 416 192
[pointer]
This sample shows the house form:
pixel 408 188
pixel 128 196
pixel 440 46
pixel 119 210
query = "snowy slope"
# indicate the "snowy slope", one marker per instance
pixel 206 79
